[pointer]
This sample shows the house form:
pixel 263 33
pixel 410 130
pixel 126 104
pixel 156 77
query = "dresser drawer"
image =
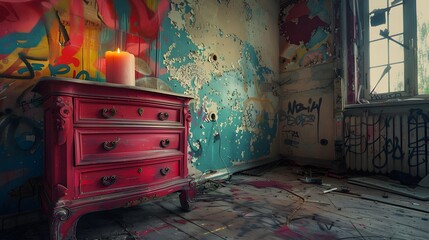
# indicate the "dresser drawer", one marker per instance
pixel 125 112
pixel 95 146
pixel 121 178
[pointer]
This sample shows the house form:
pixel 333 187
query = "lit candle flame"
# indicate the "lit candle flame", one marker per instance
pixel 119 50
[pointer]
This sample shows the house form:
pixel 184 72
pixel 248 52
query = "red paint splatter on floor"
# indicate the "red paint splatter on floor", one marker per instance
pixel 181 221
pixel 287 233
pixel 237 194
pixel 151 230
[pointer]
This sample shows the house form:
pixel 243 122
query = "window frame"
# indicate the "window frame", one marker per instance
pixel 410 56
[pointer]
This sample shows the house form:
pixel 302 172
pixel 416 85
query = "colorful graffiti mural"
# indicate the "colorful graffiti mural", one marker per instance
pixel 212 51
pixel 65 38
pixel 305 34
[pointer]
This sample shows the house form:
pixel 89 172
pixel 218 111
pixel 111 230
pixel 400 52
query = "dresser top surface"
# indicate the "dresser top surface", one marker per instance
pixel 59 83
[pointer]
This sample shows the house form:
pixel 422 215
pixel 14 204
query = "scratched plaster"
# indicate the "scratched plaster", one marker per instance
pixel 222 53
pixel 211 28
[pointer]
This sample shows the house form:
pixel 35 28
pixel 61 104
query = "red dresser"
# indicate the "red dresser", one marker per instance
pixel 109 146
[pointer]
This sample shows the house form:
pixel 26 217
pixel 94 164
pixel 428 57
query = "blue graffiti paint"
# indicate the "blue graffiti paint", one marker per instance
pixel 28 67
pixel 59 69
pixel 317 8
pixel 123 11
pixel 11 42
pixel 35 66
pixel 319 36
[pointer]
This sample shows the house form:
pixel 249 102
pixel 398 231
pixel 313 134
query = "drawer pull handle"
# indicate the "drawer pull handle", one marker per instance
pixel 108 180
pixel 140 111
pixel 165 143
pixel 162 116
pixel 108 113
pixel 164 171
pixel 111 145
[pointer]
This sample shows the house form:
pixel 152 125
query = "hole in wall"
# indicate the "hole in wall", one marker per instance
pixel 212 57
pixel 213 117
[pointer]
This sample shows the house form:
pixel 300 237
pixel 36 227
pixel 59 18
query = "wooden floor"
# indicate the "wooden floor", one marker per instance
pixel 275 205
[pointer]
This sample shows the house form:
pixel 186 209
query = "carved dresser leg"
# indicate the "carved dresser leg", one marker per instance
pixel 63 225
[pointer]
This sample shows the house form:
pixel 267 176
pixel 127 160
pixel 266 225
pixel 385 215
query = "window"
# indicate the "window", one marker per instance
pixel 396 44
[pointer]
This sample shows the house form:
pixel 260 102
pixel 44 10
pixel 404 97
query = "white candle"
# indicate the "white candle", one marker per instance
pixel 120 67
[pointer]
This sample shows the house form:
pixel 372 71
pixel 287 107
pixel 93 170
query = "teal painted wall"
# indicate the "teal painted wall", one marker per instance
pixel 223 53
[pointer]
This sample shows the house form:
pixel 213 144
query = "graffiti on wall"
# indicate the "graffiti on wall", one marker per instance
pixel 305 34
pixel 65 38
pixel 301 114
pixel 291 137
pixel 386 143
pixel 307 126
pixel 69 38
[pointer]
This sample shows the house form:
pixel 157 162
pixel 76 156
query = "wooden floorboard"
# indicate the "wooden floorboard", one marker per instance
pixel 274 205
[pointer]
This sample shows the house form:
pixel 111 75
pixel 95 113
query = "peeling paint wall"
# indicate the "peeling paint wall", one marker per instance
pixel 223 53
pixel 307 126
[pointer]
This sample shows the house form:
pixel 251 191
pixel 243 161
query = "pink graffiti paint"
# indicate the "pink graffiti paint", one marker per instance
pixel 287 233
pixel 151 230
pixel 77 28
pixel 19 16
pixel 107 13
pixel 138 46
pixel 146 22
pixel 162 71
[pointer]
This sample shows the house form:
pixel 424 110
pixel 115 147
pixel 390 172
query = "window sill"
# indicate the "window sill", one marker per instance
pixel 389 106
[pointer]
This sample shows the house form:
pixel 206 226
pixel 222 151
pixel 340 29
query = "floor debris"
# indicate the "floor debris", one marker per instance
pixel 420 193
pixel 273 206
